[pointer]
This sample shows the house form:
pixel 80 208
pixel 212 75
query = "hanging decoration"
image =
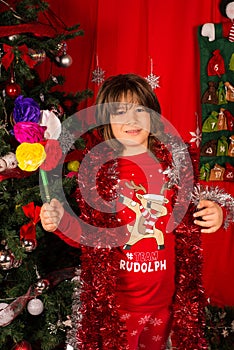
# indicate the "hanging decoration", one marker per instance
pixel 19 52
pixel 196 135
pixel 28 231
pixel 37 55
pixel 63 59
pixel 35 307
pixel 98 75
pixel 12 89
pixel 7 259
pixel 152 79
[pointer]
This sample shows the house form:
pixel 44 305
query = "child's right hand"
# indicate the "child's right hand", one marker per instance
pixel 51 215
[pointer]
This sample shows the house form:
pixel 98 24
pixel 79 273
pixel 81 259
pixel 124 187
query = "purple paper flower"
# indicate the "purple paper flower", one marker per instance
pixel 26 110
pixel 29 132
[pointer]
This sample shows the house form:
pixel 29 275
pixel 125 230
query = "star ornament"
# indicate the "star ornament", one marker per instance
pixel 98 76
pixel 153 80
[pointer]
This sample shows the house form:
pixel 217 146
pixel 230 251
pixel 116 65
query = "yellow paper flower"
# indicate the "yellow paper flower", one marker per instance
pixel 30 156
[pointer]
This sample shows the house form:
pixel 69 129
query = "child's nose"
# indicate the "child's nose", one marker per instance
pixel 132 116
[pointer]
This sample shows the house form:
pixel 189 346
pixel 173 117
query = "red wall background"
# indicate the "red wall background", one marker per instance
pixel 126 35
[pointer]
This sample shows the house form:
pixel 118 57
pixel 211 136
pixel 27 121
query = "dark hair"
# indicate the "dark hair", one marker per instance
pixel 222 7
pixel 111 92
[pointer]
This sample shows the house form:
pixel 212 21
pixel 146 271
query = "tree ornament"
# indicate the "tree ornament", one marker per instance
pixel 13 37
pixel 42 285
pixel 35 307
pixel 29 245
pixel 64 61
pixel 37 55
pixel 10 161
pixel 23 345
pixel 73 165
pixel 12 89
pixel 61 48
pixel 6 259
pixel 62 58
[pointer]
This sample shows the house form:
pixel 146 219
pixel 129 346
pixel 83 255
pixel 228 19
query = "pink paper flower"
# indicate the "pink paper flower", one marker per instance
pixel 29 132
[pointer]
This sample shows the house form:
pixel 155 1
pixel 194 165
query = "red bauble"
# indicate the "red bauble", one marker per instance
pixel 23 345
pixel 13 90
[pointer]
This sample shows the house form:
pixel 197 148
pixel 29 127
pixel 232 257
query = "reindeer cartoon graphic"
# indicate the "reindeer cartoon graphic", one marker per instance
pixel 150 208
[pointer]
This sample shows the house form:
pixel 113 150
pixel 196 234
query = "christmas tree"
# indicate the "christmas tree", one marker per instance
pixel 39 273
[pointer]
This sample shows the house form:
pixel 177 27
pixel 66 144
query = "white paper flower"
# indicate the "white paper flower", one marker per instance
pixel 53 124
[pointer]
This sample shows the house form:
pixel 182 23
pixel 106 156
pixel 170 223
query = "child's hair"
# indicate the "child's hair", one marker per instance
pixel 111 92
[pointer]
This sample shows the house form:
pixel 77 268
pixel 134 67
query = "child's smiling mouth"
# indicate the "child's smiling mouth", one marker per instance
pixel 133 131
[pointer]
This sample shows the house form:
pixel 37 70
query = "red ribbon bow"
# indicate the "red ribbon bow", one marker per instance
pixel 10 54
pixel 28 231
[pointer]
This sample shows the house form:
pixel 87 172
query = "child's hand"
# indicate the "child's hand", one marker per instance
pixel 51 215
pixel 211 215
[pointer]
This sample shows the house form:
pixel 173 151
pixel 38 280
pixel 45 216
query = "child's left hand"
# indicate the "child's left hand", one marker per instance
pixel 211 214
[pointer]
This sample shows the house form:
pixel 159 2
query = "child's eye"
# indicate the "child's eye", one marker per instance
pixel 120 112
pixel 140 109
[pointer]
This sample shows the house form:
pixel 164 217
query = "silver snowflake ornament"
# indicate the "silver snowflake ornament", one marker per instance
pixel 153 80
pixel 98 75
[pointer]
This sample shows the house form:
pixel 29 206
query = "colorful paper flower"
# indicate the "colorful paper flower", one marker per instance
pixel 52 123
pixel 30 156
pixel 29 132
pixel 53 155
pixel 26 110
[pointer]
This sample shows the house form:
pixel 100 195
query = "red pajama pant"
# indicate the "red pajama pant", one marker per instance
pixel 149 331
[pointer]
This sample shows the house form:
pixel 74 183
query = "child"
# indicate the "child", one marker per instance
pixel 128 288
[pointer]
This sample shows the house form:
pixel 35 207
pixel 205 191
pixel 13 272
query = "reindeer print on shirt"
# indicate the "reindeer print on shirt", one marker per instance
pixel 148 210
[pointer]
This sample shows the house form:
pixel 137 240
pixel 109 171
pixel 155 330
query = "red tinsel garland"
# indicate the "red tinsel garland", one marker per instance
pixel 100 327
pixel 189 317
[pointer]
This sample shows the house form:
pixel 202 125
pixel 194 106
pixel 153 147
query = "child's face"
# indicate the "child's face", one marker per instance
pixel 131 125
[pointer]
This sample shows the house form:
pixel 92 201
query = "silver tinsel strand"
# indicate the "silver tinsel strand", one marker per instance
pixel 71 338
pixel 217 195
pixel 179 151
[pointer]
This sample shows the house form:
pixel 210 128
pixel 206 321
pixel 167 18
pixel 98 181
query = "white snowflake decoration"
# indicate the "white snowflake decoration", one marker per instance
pixel 153 80
pixel 98 76
pixel 197 135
